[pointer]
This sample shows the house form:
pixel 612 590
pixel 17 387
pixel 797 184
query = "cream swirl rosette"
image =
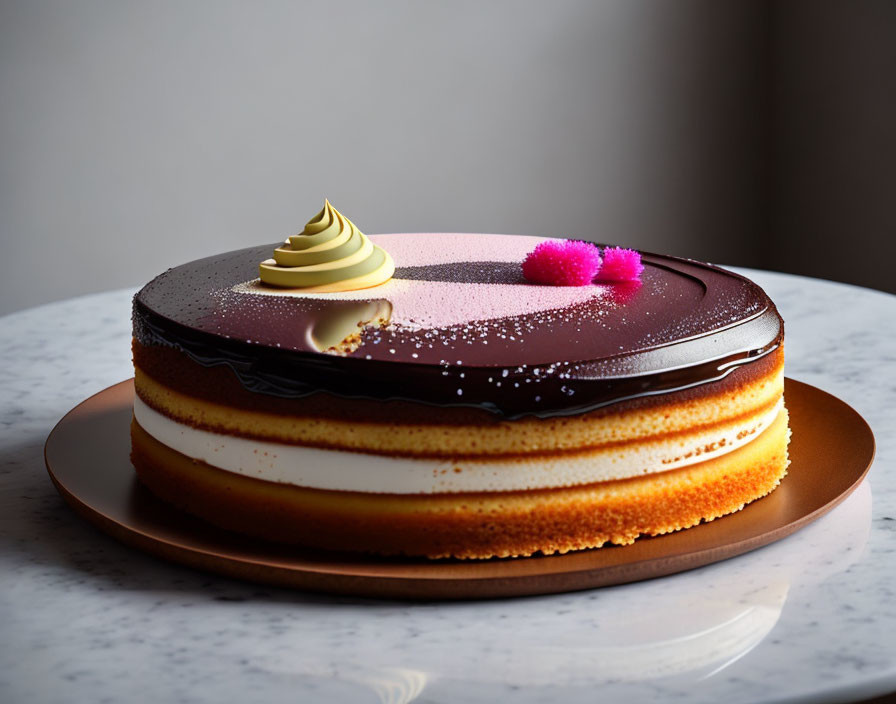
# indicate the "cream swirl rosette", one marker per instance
pixel 330 254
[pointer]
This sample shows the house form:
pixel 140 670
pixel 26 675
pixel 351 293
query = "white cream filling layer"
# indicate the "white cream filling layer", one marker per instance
pixel 357 471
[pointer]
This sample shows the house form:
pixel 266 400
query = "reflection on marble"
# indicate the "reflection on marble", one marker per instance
pixel 809 618
pixel 395 685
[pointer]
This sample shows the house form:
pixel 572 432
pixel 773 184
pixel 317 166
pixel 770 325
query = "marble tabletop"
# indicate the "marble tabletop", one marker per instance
pixel 83 618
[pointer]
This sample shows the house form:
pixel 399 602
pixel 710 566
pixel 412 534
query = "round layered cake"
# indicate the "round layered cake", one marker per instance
pixel 455 409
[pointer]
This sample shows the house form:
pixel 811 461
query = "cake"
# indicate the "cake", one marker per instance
pixel 445 406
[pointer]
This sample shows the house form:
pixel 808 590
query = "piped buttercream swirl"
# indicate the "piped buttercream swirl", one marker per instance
pixel 330 254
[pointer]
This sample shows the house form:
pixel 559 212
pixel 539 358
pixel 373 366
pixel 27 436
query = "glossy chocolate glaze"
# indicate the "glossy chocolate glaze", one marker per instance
pixel 685 324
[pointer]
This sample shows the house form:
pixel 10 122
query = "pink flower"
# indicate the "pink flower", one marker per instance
pixel 621 265
pixel 562 263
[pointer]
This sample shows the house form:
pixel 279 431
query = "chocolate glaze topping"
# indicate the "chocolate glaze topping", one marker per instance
pixel 686 323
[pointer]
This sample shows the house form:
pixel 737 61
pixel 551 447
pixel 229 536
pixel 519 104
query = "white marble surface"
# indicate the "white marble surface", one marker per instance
pixel 84 619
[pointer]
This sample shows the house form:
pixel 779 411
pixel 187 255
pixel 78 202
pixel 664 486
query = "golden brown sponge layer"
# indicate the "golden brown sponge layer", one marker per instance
pixel 470 525
pixel 728 401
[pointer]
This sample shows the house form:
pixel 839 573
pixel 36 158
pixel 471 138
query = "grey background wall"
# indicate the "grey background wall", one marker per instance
pixel 135 136
pixel 832 201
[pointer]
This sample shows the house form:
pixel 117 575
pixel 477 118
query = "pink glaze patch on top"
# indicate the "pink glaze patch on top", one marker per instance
pixel 420 249
pixel 421 304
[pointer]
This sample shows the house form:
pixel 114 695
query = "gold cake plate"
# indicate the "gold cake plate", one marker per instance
pixel 87 456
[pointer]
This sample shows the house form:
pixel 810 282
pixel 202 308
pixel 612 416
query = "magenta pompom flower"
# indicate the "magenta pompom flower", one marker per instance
pixel 562 263
pixel 621 265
